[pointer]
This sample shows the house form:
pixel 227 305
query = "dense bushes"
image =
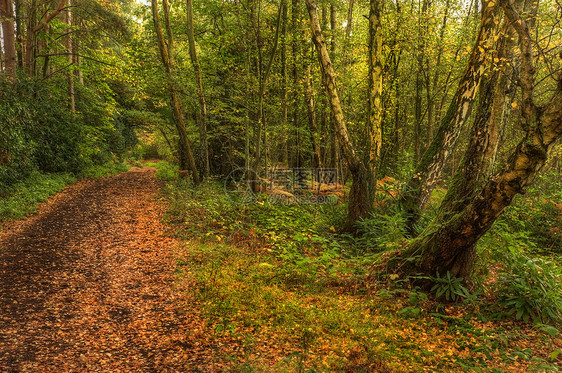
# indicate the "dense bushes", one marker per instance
pixel 38 132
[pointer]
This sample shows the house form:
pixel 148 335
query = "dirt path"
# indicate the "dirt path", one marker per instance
pixel 86 285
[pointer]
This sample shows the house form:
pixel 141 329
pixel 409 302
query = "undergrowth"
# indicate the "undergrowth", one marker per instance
pixel 301 297
pixel 22 198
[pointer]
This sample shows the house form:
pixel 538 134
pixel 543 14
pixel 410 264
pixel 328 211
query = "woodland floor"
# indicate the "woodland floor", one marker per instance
pixel 87 284
pixel 95 282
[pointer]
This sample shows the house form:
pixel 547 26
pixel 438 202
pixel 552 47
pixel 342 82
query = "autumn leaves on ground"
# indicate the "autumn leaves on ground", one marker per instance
pixel 87 285
pixel 101 281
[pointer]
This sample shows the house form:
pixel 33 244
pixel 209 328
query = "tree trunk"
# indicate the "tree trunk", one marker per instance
pixel 429 169
pixel 484 136
pixel 9 42
pixel 263 77
pixel 449 245
pixel 296 160
pixel 19 32
pixel 185 154
pixel 311 111
pixel 32 32
pixel 375 110
pixel 360 198
pixel 200 91
pixel 70 59
pixel 284 90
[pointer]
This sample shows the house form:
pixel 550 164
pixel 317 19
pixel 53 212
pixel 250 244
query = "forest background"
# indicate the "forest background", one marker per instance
pixel 441 118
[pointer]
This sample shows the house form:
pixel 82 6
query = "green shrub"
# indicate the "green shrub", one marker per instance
pixel 381 231
pixel 531 289
pixel 538 214
pixel 166 170
pixel 449 287
pixel 39 132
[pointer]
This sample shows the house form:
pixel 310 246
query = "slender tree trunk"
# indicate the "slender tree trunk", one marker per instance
pixel 249 88
pixel 1 60
pixel 70 59
pixel 200 91
pixel 296 160
pixel 430 168
pixel 284 90
pixel 19 32
pixel 360 198
pixel 185 154
pixel 431 88
pixel 375 63
pixel 263 77
pixel 311 110
pixel 417 117
pixel 32 32
pixel 9 42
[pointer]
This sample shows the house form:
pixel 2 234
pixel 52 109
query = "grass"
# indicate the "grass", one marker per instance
pixel 165 170
pixel 22 198
pixel 298 297
pixel 108 169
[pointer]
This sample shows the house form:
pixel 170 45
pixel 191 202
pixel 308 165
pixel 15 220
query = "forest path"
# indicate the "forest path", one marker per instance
pixel 87 285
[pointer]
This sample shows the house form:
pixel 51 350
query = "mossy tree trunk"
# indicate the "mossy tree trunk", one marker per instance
pixel 429 170
pixel 449 243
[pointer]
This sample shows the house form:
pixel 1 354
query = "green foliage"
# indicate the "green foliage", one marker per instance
pixel 107 169
pixel 381 231
pixel 531 289
pixel 21 199
pixel 166 170
pixel 537 215
pixel 449 287
pixel 39 133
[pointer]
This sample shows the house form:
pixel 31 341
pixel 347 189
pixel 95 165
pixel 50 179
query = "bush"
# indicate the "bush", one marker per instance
pixel 531 289
pixel 39 133
pixel 95 172
pixel 381 231
pixel 538 214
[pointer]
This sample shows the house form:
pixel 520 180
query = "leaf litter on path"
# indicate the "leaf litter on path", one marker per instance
pixel 87 284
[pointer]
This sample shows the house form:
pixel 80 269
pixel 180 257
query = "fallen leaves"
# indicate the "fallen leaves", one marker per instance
pixel 87 285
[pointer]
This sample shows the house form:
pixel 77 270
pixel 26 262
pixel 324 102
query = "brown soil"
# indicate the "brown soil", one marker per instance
pixel 86 285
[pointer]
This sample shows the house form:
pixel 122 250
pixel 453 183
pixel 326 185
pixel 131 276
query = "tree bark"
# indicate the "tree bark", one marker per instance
pixel 311 111
pixel 284 90
pixel 430 168
pixel 263 77
pixel 375 110
pixel 185 154
pixel 70 59
pixel 200 91
pixel 9 32
pixel 450 244
pixel 360 196
pixel 296 157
